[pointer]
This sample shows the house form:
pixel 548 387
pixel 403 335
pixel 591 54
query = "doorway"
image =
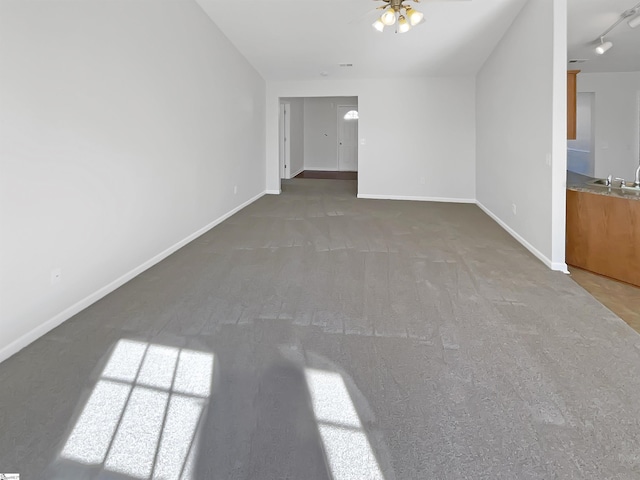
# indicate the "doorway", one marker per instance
pixel 581 151
pixel 318 138
pixel 348 138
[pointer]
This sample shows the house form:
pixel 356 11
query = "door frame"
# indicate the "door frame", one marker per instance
pixel 353 107
pixel 284 139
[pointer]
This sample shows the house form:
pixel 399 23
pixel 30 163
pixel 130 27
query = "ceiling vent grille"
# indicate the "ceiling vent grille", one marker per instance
pixel 345 64
pixel 578 60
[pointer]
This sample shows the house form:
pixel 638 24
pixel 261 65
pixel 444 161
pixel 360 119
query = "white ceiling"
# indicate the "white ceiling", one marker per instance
pixel 299 39
pixel 588 19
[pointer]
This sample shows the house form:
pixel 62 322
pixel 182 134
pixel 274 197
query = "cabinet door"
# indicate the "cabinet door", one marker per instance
pixel 603 235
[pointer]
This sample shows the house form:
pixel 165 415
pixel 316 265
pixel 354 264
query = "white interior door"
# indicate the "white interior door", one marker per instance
pixel 285 149
pixel 347 138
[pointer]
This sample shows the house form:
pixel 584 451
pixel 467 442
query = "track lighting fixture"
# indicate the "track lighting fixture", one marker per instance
pixel 633 22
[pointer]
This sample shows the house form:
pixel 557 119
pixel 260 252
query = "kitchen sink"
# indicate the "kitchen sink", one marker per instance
pixel 602 182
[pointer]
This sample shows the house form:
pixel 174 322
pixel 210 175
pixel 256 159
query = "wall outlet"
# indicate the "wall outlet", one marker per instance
pixel 423 180
pixel 363 141
pixel 548 160
pixel 514 209
pixel 56 276
pixel 235 189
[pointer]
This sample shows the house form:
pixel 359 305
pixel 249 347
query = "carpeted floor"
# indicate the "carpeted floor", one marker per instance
pixel 317 336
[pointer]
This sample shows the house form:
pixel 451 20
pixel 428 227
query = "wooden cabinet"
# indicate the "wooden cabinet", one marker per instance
pixel 603 235
pixel 571 103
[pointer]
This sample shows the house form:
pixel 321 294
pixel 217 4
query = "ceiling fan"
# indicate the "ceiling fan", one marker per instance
pixel 400 13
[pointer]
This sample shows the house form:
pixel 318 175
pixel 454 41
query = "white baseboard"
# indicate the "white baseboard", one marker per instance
pixel 17 345
pixel 416 199
pixel 558 266
pixel 273 192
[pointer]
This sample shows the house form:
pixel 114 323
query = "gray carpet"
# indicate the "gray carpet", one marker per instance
pixel 317 336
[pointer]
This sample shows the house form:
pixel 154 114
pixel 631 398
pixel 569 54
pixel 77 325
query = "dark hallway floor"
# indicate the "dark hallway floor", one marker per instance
pixel 328 175
pixel 317 336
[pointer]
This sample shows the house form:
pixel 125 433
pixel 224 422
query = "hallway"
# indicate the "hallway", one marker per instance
pixel 317 336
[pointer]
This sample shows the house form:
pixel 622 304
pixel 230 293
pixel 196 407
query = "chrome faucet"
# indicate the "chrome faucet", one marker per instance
pixel 636 183
pixel 623 182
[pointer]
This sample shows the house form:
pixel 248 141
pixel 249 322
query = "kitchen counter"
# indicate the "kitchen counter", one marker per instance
pixel 603 229
pixel 581 183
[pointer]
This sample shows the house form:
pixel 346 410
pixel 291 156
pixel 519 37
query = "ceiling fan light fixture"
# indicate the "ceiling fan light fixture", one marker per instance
pixel 415 17
pixel 403 25
pixel 603 47
pixel 634 22
pixel 378 25
pixel 388 17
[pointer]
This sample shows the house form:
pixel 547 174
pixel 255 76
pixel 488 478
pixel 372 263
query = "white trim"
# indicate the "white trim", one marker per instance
pixel 285 139
pixel 416 199
pixel 562 267
pixel 273 192
pixel 298 172
pixel 577 150
pixel 29 337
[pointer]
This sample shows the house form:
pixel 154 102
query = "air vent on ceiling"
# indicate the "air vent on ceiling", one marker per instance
pixel 346 64
pixel 578 60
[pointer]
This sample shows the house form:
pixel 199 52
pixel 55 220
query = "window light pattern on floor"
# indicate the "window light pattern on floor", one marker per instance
pixel 142 416
pixel 346 446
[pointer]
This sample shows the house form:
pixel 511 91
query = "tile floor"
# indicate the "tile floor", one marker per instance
pixel 619 297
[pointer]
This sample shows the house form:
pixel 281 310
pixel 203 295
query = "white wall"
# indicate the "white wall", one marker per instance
pixel 616 128
pixel 521 123
pixel 124 127
pixel 422 147
pixel 321 131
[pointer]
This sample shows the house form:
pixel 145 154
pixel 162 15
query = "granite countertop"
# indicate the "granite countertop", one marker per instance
pixel 581 183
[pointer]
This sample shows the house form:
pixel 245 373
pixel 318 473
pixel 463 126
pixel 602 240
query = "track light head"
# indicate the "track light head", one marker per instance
pixel 603 47
pixel 634 22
